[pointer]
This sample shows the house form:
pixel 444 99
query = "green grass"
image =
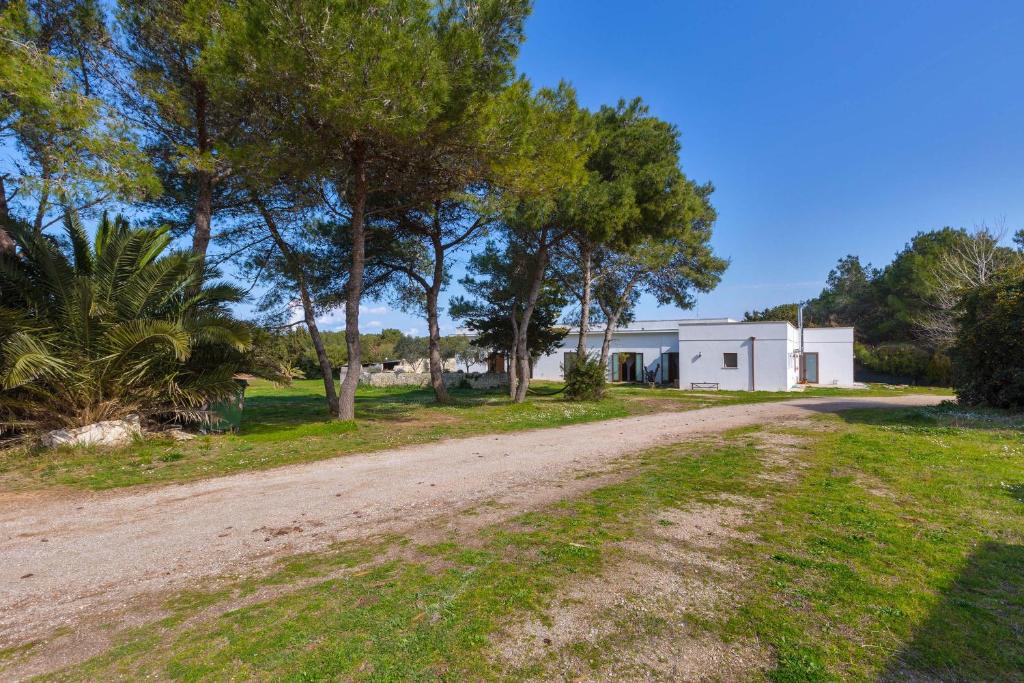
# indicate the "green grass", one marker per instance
pixel 902 548
pixel 285 425
pixel 898 550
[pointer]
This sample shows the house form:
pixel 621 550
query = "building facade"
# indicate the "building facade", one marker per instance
pixel 716 354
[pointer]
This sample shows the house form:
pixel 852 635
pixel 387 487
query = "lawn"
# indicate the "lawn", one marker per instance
pixel 288 424
pixel 876 545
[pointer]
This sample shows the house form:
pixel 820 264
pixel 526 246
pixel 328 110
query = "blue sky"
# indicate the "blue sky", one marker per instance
pixel 828 128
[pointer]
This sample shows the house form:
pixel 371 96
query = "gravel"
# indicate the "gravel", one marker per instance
pixel 66 557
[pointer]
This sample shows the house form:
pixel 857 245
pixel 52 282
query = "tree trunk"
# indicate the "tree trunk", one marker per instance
pixel 433 326
pixel 522 343
pixel 202 212
pixel 513 354
pixel 7 245
pixel 354 290
pixel 611 320
pixel 606 343
pixel 307 306
pixel 587 264
pixel 333 404
pixel 436 363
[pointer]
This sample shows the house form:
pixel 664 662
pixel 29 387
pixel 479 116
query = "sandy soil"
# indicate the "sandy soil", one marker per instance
pixel 64 560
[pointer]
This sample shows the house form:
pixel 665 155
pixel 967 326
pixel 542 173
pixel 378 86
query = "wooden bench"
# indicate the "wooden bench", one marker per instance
pixel 703 385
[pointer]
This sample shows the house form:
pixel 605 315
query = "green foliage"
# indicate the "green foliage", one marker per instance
pixel 671 267
pixel 187 126
pixel 788 312
pixel 903 301
pixel 294 349
pixel 849 297
pixel 585 380
pixel 96 330
pixel 911 363
pixel 498 285
pixel 411 349
pixel 638 223
pixel 905 288
pixel 66 144
pixel 989 351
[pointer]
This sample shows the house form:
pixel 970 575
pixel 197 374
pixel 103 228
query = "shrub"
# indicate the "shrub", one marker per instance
pixel 585 380
pixel 988 357
pixel 95 330
pixel 900 360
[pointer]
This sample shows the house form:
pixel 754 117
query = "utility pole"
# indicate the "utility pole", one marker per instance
pixel 801 372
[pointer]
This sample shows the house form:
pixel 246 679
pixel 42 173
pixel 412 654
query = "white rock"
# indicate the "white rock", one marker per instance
pixel 106 433
pixel 179 434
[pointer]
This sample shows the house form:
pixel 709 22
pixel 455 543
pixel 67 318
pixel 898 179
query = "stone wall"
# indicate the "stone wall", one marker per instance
pixel 486 380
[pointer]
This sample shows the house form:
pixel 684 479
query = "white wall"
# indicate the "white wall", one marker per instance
pixel 701 346
pixel 702 349
pixel 650 343
pixel 834 346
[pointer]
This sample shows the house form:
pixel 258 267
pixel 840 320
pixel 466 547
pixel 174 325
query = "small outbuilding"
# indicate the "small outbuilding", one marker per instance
pixel 716 354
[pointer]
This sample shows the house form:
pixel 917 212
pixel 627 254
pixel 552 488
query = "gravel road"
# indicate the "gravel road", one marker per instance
pixel 64 558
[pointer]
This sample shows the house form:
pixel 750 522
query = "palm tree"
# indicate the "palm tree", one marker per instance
pixel 97 330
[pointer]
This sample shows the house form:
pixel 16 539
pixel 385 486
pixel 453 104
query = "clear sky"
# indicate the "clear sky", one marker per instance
pixel 828 128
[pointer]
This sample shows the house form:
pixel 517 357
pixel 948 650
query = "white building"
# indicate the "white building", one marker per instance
pixel 717 353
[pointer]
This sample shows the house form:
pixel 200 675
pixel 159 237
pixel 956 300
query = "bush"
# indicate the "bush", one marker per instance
pixel 585 380
pixel 95 330
pixel 988 357
pixel 906 362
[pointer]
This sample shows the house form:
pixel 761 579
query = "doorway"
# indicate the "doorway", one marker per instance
pixel 669 370
pixel 496 362
pixel 809 368
pixel 627 367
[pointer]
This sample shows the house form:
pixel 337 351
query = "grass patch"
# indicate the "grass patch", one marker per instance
pixel 897 552
pixel 287 425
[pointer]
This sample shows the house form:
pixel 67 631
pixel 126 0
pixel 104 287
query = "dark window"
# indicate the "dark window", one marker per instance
pixel 730 360
pixel 568 363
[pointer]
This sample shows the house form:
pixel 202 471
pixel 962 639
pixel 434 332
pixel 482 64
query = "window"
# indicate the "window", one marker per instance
pixel 730 360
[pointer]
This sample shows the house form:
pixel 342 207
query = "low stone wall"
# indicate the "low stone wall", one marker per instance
pixel 487 380
pixel 396 379
pixel 482 380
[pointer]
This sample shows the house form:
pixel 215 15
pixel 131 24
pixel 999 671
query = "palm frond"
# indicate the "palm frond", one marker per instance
pixel 151 288
pixel 221 329
pixel 79 242
pixel 95 331
pixel 27 358
pixel 128 337
pixel 216 293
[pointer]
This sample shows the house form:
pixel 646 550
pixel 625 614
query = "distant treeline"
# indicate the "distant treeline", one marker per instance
pixel 294 349
pixel 905 313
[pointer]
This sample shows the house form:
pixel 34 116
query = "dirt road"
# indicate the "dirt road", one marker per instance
pixel 64 559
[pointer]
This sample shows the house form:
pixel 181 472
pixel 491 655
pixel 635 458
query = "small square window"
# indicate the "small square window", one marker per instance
pixel 730 360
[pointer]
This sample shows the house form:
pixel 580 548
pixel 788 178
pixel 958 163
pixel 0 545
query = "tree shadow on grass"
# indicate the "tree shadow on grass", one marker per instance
pixel 267 414
pixel 976 633
pixel 942 416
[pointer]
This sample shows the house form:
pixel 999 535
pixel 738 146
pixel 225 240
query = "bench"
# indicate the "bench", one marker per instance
pixel 704 385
